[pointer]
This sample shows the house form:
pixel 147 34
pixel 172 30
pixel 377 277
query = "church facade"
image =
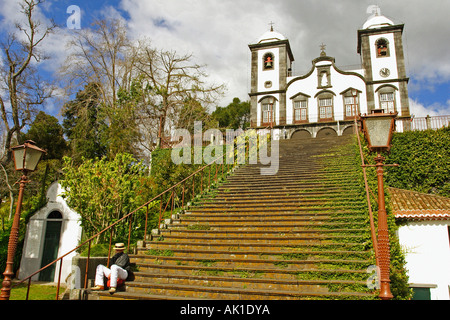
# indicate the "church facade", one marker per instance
pixel 325 100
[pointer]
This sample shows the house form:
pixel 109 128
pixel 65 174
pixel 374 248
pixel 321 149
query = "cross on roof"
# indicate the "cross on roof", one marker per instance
pixel 271 25
pixel 322 48
pixel 374 9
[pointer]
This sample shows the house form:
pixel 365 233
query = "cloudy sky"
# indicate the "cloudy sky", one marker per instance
pixel 218 32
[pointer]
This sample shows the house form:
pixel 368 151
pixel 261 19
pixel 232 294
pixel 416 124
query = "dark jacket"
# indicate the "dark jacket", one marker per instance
pixel 122 260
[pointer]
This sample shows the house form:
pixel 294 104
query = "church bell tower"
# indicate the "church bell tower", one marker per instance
pixel 381 48
pixel 271 63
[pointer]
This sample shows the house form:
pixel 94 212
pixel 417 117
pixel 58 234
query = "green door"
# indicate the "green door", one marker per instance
pixel 51 246
pixel 421 294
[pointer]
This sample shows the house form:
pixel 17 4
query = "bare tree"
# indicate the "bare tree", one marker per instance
pixel 98 55
pixel 172 81
pixel 21 88
pixel 143 89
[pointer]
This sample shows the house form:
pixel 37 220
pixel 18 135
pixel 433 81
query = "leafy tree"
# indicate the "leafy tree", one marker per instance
pixel 103 191
pixel 102 60
pixel 84 125
pixel 235 115
pixel 48 135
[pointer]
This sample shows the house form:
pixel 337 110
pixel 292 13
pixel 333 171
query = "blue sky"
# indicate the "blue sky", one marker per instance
pixel 217 33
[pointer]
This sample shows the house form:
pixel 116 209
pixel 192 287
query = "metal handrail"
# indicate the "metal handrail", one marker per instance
pixel 366 186
pixel 145 205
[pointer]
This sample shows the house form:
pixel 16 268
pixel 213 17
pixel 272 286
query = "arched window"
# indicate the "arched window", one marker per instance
pixel 268 61
pixel 386 95
pixel 54 215
pixel 382 47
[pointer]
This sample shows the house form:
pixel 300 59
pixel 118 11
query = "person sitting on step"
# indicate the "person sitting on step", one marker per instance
pixel 119 268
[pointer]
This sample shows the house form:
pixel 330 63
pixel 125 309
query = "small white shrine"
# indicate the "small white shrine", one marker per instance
pixel 51 232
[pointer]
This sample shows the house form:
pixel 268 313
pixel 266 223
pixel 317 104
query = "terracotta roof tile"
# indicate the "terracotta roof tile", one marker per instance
pixel 408 204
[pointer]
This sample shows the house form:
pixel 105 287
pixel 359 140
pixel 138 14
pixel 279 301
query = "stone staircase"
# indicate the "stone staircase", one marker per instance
pixel 300 234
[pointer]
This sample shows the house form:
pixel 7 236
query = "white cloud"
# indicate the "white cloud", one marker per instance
pixel 218 32
pixel 420 110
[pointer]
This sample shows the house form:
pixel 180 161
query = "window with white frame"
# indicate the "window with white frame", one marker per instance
pixel 387 101
pixel 300 111
pixel 351 106
pixel 268 111
pixel 326 108
pixel 265 112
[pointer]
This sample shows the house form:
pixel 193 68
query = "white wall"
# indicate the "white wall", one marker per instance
pixel 340 82
pixel 383 62
pixel 35 235
pixel 269 75
pixel 427 250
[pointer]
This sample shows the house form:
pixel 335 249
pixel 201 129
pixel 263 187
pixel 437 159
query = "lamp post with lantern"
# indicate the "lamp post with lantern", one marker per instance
pixel 26 159
pixel 378 128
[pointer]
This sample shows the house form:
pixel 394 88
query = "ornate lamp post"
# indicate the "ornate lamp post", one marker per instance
pixel 378 128
pixel 26 159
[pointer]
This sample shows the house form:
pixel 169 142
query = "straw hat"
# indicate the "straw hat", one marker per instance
pixel 119 246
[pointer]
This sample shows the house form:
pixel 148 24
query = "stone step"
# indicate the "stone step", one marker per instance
pixel 299 214
pixel 104 295
pixel 271 219
pixel 276 253
pixel 295 232
pixel 157 244
pixel 279 227
pixel 272 271
pixel 295 173
pixel 278 199
pixel 310 262
pixel 300 239
pixel 299 195
pixel 299 234
pixel 211 292
pixel 304 171
pixel 265 183
pixel 245 281
pixel 265 209
pixel 288 202
pixel 280 187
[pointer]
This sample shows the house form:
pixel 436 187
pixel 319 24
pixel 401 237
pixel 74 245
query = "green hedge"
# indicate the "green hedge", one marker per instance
pixel 424 159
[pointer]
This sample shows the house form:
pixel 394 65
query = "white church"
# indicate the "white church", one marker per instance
pixel 325 100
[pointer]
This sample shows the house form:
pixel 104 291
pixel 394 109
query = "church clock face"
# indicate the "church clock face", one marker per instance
pixel 384 72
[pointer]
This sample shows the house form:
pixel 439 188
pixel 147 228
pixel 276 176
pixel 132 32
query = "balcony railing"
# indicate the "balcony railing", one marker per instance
pixel 422 123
